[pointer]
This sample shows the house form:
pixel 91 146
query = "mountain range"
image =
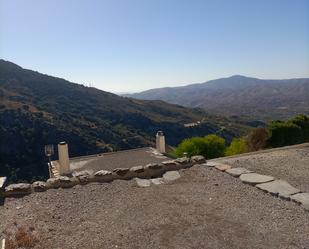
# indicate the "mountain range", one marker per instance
pixel 37 109
pixel 239 97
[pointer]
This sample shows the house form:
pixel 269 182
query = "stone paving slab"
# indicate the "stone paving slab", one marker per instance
pixel 171 175
pixel 238 171
pixel 223 167
pixel 254 178
pixel 301 198
pixel 157 181
pixel 211 164
pixel 278 187
pixel 143 182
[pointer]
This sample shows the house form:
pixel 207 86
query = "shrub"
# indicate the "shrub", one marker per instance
pixel 284 133
pixel 211 146
pixel 23 238
pixel 238 146
pixel 303 122
pixel 257 139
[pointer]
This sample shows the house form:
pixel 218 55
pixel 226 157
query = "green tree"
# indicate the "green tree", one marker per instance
pixel 211 146
pixel 238 146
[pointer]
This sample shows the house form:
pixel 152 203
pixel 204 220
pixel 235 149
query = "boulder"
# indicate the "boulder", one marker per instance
pixel 66 182
pixel 137 169
pixel 153 166
pixel 39 186
pixel 171 165
pixel 18 189
pixel 83 177
pixel 103 176
pixel 53 183
pixel 198 159
pixel 183 160
pixel 123 174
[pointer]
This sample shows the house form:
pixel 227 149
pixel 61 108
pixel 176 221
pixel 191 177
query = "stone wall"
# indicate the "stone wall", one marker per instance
pixel 80 178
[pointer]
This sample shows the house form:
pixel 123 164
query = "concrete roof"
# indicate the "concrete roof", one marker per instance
pixel 119 159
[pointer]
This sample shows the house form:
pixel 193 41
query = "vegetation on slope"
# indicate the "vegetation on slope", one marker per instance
pixel 38 109
pixel 277 134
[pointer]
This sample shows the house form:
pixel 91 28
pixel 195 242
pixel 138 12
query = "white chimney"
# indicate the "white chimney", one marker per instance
pixel 64 162
pixel 160 142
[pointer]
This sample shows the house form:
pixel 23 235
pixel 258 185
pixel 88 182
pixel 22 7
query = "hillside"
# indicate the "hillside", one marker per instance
pixel 38 109
pixel 249 98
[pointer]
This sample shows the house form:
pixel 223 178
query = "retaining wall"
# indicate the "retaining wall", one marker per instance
pixel 80 178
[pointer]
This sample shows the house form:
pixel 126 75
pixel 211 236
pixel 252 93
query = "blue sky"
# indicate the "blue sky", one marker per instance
pixel 132 45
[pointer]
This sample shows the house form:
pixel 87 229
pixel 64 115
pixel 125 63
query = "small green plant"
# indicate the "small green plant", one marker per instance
pixel 238 146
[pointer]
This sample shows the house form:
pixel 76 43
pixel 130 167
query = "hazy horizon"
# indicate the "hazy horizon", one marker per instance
pixel 131 46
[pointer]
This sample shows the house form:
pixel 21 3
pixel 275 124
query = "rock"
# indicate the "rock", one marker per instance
pixel 237 171
pixel 137 169
pixel 222 167
pixel 301 198
pixel 170 163
pixel 153 166
pixel 101 173
pixel 278 187
pixel 18 189
pixel 142 182
pixel 183 160
pixel 66 182
pixel 83 177
pixel 211 164
pixel 121 171
pixel 157 181
pixel 171 175
pixel 80 173
pixel 103 176
pixel 53 183
pixel 198 159
pixel 39 186
pixel 254 178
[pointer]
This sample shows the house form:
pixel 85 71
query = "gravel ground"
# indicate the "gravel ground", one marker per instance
pixel 205 208
pixel 291 165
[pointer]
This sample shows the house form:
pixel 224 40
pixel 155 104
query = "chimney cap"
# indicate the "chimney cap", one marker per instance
pixel 160 133
pixel 63 143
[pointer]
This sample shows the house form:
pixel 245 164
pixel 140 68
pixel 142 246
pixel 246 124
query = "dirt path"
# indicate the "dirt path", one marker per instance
pixel 291 165
pixel 205 208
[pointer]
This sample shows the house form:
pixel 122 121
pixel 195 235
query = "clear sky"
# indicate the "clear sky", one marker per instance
pixel 131 45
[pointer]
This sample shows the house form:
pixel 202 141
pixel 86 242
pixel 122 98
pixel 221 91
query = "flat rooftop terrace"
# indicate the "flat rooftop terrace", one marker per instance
pixel 119 159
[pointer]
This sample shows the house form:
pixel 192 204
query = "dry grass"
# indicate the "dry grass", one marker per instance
pixel 22 238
